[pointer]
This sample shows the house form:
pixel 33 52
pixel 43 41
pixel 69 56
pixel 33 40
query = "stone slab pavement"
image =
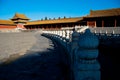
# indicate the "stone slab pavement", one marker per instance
pixel 43 61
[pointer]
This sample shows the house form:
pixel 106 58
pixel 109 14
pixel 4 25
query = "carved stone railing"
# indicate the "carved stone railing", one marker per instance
pixel 81 46
pixel 107 35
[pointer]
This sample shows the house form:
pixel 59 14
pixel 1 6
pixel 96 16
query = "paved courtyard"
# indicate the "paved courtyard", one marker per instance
pixel 38 58
pixel 30 56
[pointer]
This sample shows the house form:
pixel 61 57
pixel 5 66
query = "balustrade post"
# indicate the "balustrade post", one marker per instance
pixel 63 34
pixel 67 40
pixel 59 34
pixel 67 34
pixel 75 39
pixel 74 45
pixel 86 66
pixel 70 35
pixel 113 33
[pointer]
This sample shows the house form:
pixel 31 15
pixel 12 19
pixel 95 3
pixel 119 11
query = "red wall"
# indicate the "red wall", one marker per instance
pixel 7 27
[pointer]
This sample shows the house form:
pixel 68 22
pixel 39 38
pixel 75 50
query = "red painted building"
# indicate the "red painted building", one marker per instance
pixel 7 24
pixel 17 22
pixel 96 18
pixel 103 18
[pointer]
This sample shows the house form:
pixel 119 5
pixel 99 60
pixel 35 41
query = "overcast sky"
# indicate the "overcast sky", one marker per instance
pixel 37 9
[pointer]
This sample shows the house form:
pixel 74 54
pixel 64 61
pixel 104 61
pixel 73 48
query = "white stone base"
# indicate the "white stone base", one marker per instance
pixel 9 30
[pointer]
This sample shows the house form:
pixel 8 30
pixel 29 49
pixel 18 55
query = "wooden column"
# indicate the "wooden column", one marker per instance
pixel 34 27
pixel 41 27
pixel 115 23
pixel 73 25
pixel 56 26
pixel 30 27
pixel 51 26
pixel 61 26
pixel 87 23
pixel 47 26
pixel 38 27
pixel 102 23
pixel 95 24
pixel 67 25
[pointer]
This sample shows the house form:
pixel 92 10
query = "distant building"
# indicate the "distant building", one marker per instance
pixel 96 18
pixel 20 19
pixel 17 22
pixel 103 18
pixel 53 23
pixel 7 24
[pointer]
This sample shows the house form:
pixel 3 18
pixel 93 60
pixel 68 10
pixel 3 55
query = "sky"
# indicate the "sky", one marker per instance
pixel 37 9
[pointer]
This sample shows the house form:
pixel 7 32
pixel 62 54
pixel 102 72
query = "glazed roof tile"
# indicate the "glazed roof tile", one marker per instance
pixel 55 21
pixel 20 16
pixel 9 22
pixel 103 13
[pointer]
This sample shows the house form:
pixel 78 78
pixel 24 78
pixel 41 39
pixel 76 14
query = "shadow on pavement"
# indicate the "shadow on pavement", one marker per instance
pixel 109 61
pixel 46 65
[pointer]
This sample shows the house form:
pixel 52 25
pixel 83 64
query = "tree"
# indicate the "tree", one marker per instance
pixel 64 17
pixel 46 18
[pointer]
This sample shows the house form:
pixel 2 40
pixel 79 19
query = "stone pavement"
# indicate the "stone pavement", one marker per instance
pixel 44 61
pixel 15 44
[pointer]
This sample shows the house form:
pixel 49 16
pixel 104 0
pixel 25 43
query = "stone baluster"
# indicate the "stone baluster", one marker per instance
pixel 95 32
pixel 74 45
pixel 70 35
pixel 113 33
pixel 54 32
pixel 57 32
pixel 67 40
pixel 63 34
pixel 67 34
pixel 86 66
pixel 75 39
pixel 106 32
pixel 59 35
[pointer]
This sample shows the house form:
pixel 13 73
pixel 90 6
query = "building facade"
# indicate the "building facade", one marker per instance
pixel 104 18
pixel 96 18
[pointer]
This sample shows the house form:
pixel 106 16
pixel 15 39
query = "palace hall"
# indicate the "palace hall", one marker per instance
pixel 96 18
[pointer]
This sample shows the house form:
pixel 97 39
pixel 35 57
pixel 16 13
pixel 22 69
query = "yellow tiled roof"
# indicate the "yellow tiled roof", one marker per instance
pixel 20 21
pixel 63 20
pixel 21 16
pixel 8 22
pixel 102 13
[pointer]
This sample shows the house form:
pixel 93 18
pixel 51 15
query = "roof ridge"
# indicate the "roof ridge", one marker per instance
pixel 58 19
pixel 18 15
pixel 4 20
pixel 106 9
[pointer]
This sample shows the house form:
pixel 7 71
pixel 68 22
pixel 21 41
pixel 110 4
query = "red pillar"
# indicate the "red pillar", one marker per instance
pixel 102 23
pixel 115 22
